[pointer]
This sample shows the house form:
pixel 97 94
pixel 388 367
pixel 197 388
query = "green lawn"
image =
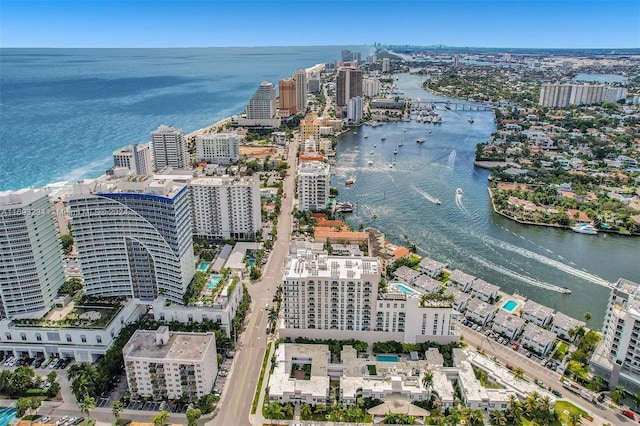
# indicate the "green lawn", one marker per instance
pixel 561 351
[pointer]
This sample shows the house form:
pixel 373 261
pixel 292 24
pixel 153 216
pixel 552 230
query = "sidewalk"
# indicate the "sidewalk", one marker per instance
pixel 258 419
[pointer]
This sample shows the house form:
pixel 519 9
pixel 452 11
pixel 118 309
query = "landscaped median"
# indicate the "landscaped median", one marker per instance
pixel 256 397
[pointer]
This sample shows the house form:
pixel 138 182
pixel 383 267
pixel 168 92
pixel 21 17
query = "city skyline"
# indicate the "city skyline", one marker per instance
pixel 515 24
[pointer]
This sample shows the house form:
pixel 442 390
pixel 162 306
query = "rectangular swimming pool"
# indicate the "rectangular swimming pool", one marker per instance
pixel 509 306
pixel 387 358
pixel 203 267
pixel 403 288
pixel 213 282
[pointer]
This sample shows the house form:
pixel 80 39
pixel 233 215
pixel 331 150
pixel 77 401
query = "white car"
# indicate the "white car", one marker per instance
pixel 45 419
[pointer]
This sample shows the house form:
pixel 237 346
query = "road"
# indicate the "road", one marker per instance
pixel 534 370
pixel 237 397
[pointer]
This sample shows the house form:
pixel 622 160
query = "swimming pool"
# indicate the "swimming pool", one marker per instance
pixel 387 358
pixel 203 267
pixel 213 282
pixel 251 262
pixel 509 306
pixel 6 415
pixel 405 289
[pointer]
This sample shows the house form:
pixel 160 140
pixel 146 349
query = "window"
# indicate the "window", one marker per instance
pixel 83 338
pixel 68 336
pixel 8 336
pixel 99 339
pixel 23 336
pixel 38 337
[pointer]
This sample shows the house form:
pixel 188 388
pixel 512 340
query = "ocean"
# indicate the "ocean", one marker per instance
pixel 64 111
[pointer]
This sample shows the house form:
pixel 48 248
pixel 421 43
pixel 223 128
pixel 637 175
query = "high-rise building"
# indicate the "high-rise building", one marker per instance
pixel 133 237
pixel 262 104
pixel 348 85
pixel 370 87
pixel 136 158
pixel 314 84
pixel 225 207
pixel 613 94
pixel 218 148
pixel 386 64
pixel 354 109
pixel 300 76
pixel 616 357
pixel 169 365
pixel 31 270
pixel 314 181
pixel 287 96
pixel 586 94
pixel 456 61
pixel 556 95
pixel 169 148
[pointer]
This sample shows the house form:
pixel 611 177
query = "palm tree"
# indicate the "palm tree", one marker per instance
pixel 289 409
pixel 87 404
pixel 476 417
pixel 515 410
pixel 274 411
pixel 518 373
pixel 587 317
pixel 320 408
pixel 305 410
pixel 575 419
pixel 636 400
pixel 618 394
pixel 193 414
pixel 427 379
pixel 82 387
pixel 498 418
pixel 160 419
pixel 117 409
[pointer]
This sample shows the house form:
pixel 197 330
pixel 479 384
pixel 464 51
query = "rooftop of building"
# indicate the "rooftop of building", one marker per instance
pixel 431 264
pixel 565 322
pixel 536 310
pixel 406 274
pixel 427 283
pixel 481 286
pixel 179 347
pixel 156 186
pixel 507 320
pixel 537 334
pixel 480 308
pixel 86 313
pixel 306 263
pixel 460 277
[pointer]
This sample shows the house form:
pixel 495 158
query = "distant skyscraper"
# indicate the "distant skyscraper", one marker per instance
pixel 556 95
pixel 314 84
pixel 348 85
pixel 133 237
pixel 354 110
pixel 169 148
pixel 300 76
pixel 370 87
pixel 218 148
pixel 31 270
pixel 456 61
pixel 386 64
pixel 262 104
pixel 136 158
pixel 346 56
pixel 287 96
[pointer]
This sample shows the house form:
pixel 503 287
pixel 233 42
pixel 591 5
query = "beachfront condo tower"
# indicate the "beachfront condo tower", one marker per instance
pixel 262 104
pixel 300 77
pixel 169 148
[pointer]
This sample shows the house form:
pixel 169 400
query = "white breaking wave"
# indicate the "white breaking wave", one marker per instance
pixel 543 259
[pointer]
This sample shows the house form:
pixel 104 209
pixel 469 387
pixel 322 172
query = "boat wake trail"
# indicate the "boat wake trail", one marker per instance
pixel 543 259
pixel 426 195
pixel 460 205
pixel 514 275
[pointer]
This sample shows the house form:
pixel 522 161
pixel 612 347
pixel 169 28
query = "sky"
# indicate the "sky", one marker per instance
pixel 206 23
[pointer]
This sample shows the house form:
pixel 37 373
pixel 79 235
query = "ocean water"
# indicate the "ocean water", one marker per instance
pixel 64 111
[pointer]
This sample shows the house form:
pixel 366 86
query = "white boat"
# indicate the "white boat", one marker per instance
pixel 383 137
pixel 584 228
pixel 350 181
pixel 420 140
pixel 371 152
pixel 459 191
pixel 366 136
pixel 400 144
pixel 395 151
pixel 370 162
pixel 471 120
pixel 437 202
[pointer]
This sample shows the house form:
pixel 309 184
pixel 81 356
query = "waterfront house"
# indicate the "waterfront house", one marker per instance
pixel 479 312
pixel 538 339
pixel 536 313
pixel 507 324
pixel 460 298
pixel 427 284
pixel 484 290
pixel 461 280
pixel 431 267
pixel 563 323
pixel 406 274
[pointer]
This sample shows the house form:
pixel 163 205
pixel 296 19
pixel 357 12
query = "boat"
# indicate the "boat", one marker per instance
pixel 400 144
pixel 350 181
pixel 584 228
pixel 430 131
pixel 395 152
pixel 375 146
pixel 420 140
pixel 366 136
pixel 370 162
pixel 383 137
pixel 459 191
pixel 344 207
pixel 437 202
pixel 471 120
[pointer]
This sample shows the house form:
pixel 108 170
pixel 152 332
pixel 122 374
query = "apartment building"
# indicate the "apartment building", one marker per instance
pixel 218 148
pixel 225 207
pixel 168 365
pixel 169 148
pixel 133 237
pixel 300 77
pixel 262 104
pixel 135 158
pixel 348 85
pixel 31 270
pixel 314 181
pixel 287 97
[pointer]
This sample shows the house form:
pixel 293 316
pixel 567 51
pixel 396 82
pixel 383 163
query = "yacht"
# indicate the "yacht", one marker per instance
pixel 584 228
pixel 383 137
pixel 366 136
pixel 400 144
pixel 459 191
pixel 437 202
pixel 344 207
pixel 420 140
pixel 350 181
pixel 471 120
pixel 369 162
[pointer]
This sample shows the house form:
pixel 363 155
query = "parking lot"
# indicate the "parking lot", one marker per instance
pixel 221 380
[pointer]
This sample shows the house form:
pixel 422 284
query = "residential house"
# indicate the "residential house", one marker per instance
pixel 538 339
pixel 507 324
pixel 536 313
pixel 431 267
pixel 461 280
pixel 484 290
pixel 479 312
pixel 563 323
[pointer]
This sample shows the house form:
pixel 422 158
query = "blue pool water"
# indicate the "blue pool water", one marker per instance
pixel 404 288
pixel 6 415
pixel 203 267
pixel 387 358
pixel 509 306
pixel 213 282
pixel 251 262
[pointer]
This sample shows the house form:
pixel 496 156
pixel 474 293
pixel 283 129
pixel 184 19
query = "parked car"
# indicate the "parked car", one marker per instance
pixel 44 419
pixel 601 397
pixel 515 347
pixel 629 414
pixel 556 393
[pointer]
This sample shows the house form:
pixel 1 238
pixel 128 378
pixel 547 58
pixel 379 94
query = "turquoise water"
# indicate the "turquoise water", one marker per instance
pixel 203 267
pixel 6 415
pixel 387 358
pixel 213 282
pixel 251 262
pixel 404 288
pixel 509 306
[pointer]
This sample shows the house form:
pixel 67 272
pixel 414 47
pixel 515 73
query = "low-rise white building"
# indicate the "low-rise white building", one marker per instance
pixel 461 280
pixel 406 274
pixel 536 313
pixel 460 298
pixel 563 323
pixel 427 284
pixel 431 267
pixel 169 365
pixel 538 339
pixel 507 324
pixel 479 312
pixel 483 290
